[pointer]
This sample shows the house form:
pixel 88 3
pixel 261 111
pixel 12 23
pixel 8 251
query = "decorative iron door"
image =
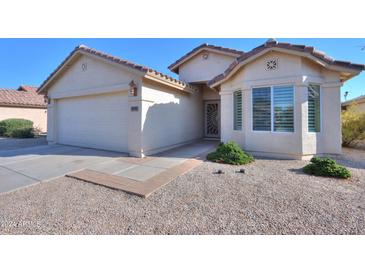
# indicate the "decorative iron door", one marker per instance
pixel 212 119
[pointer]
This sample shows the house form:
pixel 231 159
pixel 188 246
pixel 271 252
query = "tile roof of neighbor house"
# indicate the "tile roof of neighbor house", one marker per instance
pixel 174 68
pixel 24 96
pixel 28 88
pixel 359 99
pixel 271 43
pixel 148 71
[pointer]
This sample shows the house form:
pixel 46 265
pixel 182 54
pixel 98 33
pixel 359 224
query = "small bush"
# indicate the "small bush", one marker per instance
pixel 326 167
pixel 26 132
pixel 230 153
pixel 16 128
pixel 353 126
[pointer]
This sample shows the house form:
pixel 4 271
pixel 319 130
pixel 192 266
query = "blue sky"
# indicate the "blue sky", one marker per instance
pixel 30 61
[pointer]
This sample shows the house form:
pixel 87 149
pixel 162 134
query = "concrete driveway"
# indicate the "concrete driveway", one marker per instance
pixel 27 166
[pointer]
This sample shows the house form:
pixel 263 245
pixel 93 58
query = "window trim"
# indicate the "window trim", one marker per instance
pixel 234 118
pixel 320 109
pixel 272 109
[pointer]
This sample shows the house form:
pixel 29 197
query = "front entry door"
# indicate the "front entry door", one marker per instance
pixel 212 119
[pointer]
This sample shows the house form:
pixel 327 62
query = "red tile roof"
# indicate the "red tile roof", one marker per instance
pixel 174 68
pixel 148 71
pixel 28 88
pixel 299 48
pixel 24 96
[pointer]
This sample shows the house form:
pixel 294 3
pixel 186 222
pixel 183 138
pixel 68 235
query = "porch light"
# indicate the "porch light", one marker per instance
pixel 133 89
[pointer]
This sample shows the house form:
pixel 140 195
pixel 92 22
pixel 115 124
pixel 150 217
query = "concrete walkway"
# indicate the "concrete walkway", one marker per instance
pixel 24 167
pixel 145 168
pixel 144 176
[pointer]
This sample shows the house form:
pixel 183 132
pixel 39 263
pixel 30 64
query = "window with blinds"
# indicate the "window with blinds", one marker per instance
pixel 314 109
pixel 237 113
pixel 261 109
pixel 283 102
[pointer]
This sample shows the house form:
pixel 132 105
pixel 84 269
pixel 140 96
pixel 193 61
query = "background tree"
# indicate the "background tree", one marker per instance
pixel 353 125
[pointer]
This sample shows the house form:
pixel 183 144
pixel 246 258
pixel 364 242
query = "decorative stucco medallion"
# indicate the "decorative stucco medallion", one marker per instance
pixel 272 64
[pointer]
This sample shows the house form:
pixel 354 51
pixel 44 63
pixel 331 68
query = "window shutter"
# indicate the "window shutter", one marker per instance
pixel 283 101
pixel 237 113
pixel 261 109
pixel 314 115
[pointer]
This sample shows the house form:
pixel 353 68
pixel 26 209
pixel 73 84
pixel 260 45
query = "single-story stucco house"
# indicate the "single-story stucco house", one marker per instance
pixel 25 103
pixel 277 100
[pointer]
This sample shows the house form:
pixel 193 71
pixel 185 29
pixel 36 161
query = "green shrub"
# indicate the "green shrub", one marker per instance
pixel 16 127
pixel 230 153
pixel 326 167
pixel 26 132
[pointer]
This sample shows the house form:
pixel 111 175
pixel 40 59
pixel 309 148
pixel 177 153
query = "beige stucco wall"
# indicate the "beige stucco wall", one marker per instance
pixel 209 94
pixel 169 117
pixel 295 71
pixel 198 69
pixel 37 115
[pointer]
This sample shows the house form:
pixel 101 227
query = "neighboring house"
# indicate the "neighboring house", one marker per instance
pixel 358 103
pixel 25 103
pixel 278 100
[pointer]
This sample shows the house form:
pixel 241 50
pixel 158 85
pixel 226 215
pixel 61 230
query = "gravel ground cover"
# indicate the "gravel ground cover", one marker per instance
pixel 273 197
pixel 15 143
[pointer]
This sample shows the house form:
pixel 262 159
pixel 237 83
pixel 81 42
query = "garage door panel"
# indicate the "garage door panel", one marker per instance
pixel 94 121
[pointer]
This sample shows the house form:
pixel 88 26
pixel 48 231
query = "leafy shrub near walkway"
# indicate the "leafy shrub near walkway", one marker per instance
pixel 230 153
pixel 326 167
pixel 16 128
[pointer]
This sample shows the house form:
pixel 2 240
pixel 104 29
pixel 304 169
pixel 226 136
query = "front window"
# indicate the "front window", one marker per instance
pixel 314 109
pixel 261 109
pixel 237 113
pixel 283 100
pixel 273 109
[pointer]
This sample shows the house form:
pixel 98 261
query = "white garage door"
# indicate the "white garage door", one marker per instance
pixel 98 121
